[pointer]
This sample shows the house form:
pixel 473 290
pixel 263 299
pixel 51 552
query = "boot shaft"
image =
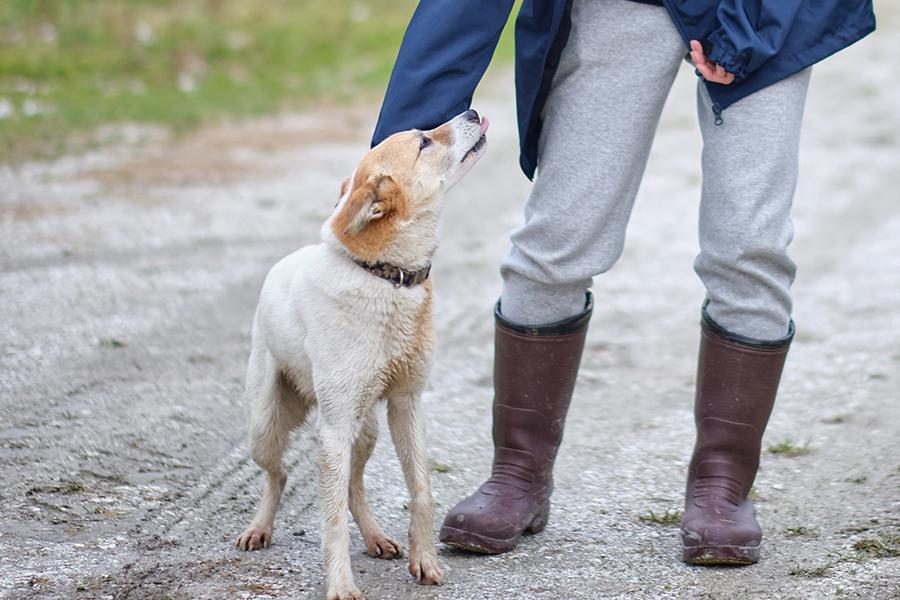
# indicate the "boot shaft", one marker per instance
pixel 534 376
pixel 737 381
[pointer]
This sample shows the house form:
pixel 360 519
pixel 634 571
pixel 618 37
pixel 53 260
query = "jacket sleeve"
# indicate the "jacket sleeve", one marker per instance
pixel 445 52
pixel 749 33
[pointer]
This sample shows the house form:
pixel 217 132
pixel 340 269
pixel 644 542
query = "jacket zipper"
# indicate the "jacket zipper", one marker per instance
pixel 716 108
pixel 717 113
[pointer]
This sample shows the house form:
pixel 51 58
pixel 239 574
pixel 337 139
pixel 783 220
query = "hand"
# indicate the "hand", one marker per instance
pixel 711 71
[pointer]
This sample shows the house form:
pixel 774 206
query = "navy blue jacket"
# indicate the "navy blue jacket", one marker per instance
pixel 449 43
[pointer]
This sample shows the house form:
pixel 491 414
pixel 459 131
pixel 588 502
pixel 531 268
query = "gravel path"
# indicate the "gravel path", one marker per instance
pixel 129 277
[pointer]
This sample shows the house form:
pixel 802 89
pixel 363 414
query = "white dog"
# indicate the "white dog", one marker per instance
pixel 346 323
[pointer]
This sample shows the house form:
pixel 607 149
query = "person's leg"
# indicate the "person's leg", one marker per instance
pixel 749 175
pixel 599 120
pixel 598 125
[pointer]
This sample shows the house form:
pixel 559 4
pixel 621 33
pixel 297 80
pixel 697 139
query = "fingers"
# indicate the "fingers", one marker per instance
pixel 697 55
pixel 710 71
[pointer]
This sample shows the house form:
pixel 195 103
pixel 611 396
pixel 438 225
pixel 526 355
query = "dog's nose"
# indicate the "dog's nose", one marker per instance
pixel 472 115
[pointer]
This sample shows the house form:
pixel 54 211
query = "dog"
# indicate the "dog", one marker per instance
pixel 347 323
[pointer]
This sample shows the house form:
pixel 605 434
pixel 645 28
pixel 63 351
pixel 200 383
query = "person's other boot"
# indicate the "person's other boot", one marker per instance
pixel 534 375
pixel 737 379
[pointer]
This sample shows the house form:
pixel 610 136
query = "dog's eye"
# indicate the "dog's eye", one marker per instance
pixel 426 141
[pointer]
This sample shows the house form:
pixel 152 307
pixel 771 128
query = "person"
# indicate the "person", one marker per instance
pixel 591 81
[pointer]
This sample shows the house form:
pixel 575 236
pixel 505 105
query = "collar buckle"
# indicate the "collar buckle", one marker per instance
pixel 399 277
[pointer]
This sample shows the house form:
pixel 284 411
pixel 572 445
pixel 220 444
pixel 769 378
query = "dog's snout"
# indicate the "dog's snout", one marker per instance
pixel 472 115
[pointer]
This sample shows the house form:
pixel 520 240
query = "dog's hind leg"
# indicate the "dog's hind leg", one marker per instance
pixel 275 411
pixel 377 543
pixel 408 432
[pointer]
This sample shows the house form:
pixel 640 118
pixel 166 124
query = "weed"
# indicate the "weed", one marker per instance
pixel 789 448
pixel 820 571
pixel 438 467
pixel 884 546
pixel 799 531
pixel 669 517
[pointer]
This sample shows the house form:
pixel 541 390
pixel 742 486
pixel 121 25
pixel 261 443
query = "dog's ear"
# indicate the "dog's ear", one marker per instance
pixel 371 201
pixel 344 187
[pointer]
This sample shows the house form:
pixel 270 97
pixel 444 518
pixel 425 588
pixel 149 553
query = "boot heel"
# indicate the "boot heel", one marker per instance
pixel 538 524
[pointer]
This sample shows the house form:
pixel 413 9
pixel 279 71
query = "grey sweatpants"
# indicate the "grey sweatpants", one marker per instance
pixel 599 122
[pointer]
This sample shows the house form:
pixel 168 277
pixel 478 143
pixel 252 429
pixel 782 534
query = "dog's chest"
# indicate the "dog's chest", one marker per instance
pixel 408 338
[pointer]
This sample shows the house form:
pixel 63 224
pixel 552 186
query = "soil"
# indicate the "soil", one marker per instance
pixel 129 276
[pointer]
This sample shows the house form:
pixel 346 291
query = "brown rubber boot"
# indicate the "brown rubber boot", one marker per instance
pixel 737 379
pixel 534 374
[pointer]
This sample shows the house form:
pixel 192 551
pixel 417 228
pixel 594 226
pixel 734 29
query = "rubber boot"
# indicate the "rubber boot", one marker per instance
pixel 737 379
pixel 534 375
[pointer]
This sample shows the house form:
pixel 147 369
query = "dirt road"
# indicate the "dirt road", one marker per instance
pixel 129 277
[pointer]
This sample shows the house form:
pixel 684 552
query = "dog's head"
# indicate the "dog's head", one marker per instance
pixel 390 207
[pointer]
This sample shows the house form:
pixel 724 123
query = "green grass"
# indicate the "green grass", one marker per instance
pixel 669 517
pixel 886 545
pixel 438 467
pixel 789 448
pixel 69 66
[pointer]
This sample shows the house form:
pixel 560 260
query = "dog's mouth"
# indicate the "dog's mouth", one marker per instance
pixel 476 148
pixel 481 141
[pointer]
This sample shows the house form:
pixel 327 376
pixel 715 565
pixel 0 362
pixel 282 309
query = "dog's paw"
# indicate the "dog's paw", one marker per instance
pixel 382 546
pixel 426 569
pixel 344 592
pixel 255 537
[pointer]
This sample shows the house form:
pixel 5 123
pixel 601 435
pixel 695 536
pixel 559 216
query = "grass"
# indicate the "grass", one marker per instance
pixel 669 517
pixel 886 545
pixel 799 531
pixel 789 448
pixel 883 546
pixel 820 571
pixel 70 66
pixel 438 467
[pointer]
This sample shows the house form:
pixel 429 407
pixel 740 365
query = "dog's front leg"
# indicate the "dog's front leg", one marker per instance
pixel 335 443
pixel 408 433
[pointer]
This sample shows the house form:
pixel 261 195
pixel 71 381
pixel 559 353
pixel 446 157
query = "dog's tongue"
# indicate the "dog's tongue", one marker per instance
pixel 484 125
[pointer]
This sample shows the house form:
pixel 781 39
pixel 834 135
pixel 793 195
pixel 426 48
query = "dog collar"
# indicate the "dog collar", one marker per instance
pixel 398 276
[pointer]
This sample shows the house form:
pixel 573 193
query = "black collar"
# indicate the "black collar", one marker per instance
pixel 396 275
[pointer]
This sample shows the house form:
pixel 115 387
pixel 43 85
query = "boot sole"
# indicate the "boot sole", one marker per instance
pixel 481 544
pixel 720 555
